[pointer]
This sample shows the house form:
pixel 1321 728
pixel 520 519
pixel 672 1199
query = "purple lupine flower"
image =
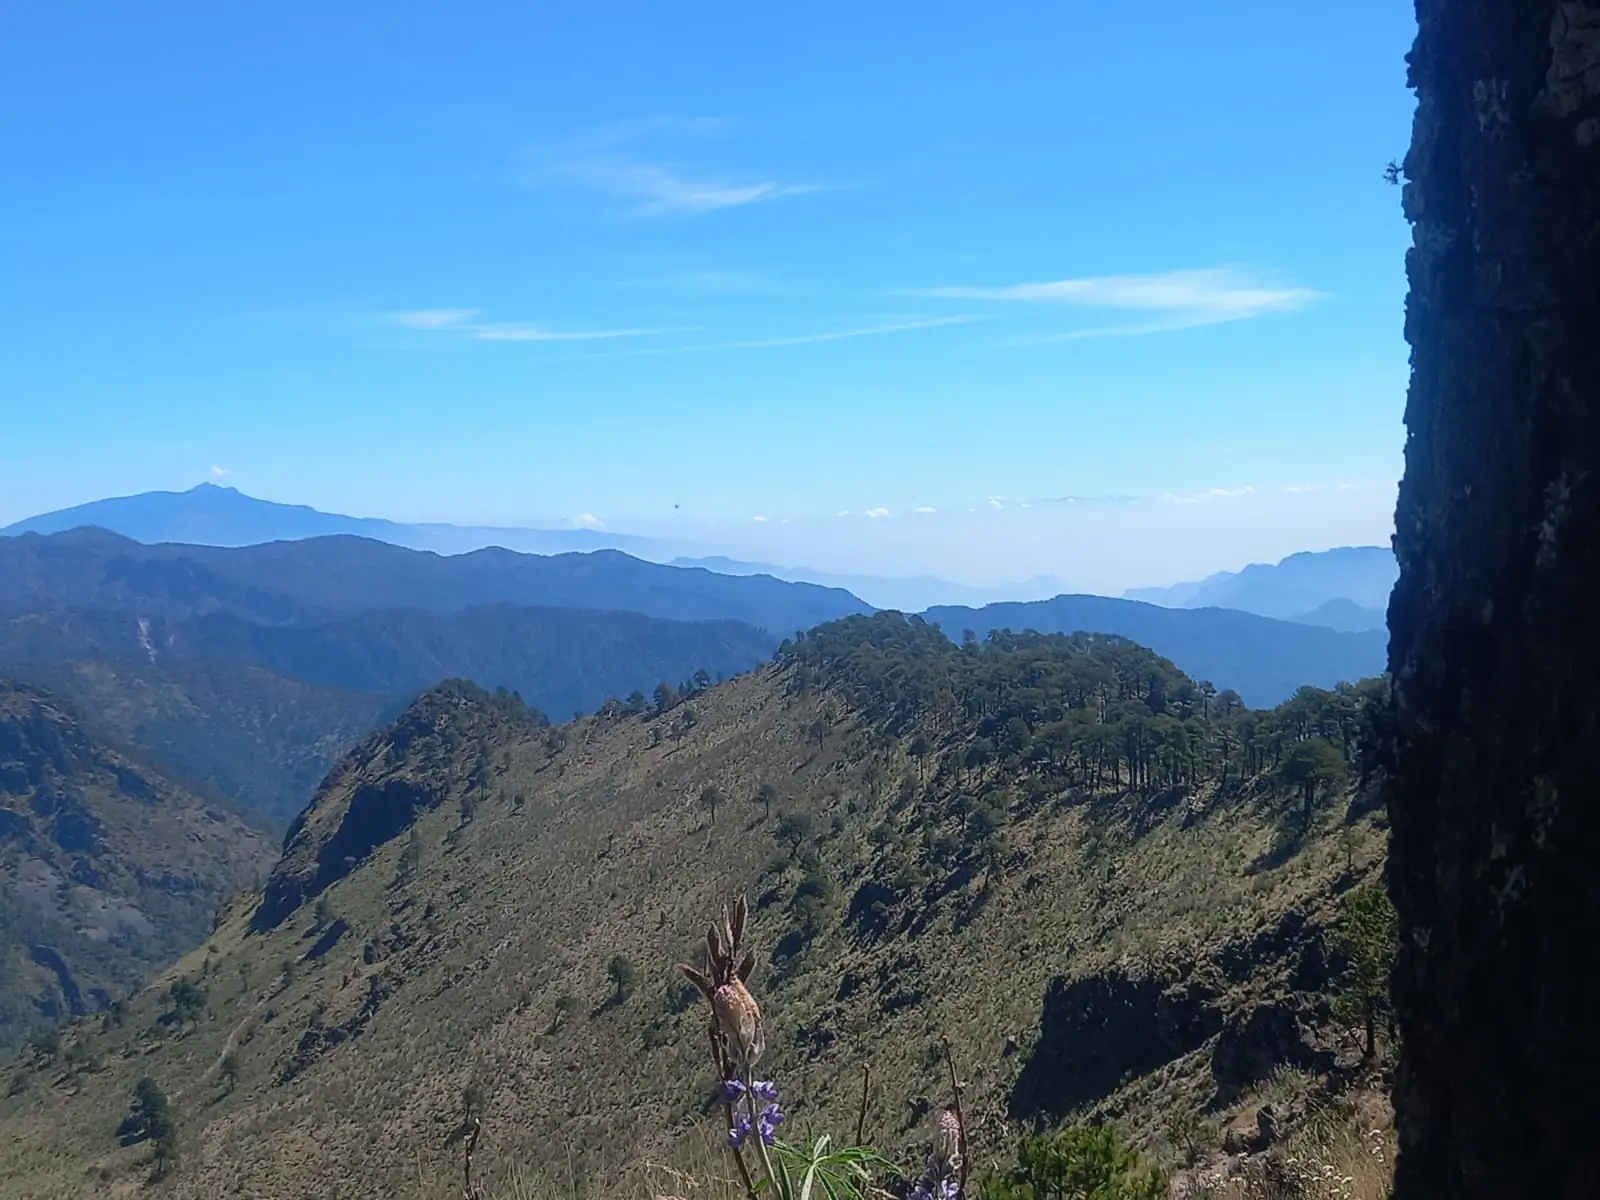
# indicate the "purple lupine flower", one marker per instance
pixel 732 1089
pixel 949 1190
pixel 740 1131
pixel 771 1118
pixel 764 1089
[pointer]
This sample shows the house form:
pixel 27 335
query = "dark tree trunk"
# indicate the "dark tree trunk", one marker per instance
pixel 1494 783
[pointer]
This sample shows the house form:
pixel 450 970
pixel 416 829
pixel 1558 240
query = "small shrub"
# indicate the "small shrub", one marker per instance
pixel 622 974
pixel 229 1070
pixel 326 914
pixel 1081 1162
pixel 792 830
pixel 566 1005
pixel 188 1002
pixel 679 997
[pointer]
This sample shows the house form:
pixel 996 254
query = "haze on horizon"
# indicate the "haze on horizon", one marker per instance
pixel 891 290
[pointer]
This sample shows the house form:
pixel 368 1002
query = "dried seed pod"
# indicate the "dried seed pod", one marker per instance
pixel 739 1019
pixel 947 1144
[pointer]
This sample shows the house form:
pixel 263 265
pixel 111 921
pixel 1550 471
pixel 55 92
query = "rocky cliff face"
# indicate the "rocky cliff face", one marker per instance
pixel 1495 648
pixel 107 869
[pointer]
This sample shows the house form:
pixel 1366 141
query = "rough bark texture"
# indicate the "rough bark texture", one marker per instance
pixel 1494 786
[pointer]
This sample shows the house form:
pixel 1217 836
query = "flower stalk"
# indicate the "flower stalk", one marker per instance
pixel 752 1111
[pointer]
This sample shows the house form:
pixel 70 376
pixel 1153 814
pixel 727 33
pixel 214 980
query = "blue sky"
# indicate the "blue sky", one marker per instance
pixel 677 267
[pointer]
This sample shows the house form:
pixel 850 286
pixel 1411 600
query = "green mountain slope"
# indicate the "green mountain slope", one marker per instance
pixel 260 712
pixel 1107 886
pixel 107 870
pixel 262 740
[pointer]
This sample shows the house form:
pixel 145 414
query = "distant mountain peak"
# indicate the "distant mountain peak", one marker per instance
pixel 218 514
pixel 1299 587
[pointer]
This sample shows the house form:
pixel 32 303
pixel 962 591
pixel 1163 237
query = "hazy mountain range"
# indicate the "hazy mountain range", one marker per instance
pixel 319 579
pixel 905 593
pixel 321 582
pixel 210 515
pixel 1345 588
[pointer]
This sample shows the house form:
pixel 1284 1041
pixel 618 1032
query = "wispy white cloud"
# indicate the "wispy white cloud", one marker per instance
pixel 588 521
pixel 633 129
pixel 759 520
pixel 1112 499
pixel 537 333
pixel 710 280
pixel 805 339
pixel 1177 299
pixel 1215 493
pixel 435 318
pixel 617 160
pixel 925 509
pixel 657 190
pixel 837 335
pixel 879 512
pixel 220 472
pixel 459 321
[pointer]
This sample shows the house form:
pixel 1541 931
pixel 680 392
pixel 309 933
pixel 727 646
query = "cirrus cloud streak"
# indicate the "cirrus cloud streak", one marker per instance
pixel 1173 299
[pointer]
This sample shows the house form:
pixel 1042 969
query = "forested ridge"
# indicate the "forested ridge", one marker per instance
pixel 1082 710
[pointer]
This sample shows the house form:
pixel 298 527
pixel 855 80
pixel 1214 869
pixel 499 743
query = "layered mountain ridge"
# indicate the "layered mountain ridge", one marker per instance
pixel 1034 846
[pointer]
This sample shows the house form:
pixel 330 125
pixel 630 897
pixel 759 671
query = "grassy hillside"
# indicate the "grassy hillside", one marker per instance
pixel 107 870
pixel 1109 888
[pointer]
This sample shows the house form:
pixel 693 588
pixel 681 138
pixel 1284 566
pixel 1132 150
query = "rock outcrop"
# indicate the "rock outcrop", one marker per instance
pixel 1495 649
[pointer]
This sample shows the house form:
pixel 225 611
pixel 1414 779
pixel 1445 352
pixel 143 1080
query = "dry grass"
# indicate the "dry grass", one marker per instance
pixel 458 970
pixel 1343 1153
